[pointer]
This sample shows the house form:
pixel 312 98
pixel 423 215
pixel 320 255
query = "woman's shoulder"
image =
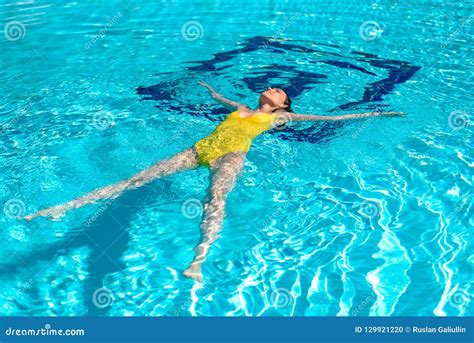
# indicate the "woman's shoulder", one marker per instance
pixel 245 112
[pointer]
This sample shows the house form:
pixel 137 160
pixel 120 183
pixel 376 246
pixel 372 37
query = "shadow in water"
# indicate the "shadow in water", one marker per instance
pixel 289 77
pixel 106 235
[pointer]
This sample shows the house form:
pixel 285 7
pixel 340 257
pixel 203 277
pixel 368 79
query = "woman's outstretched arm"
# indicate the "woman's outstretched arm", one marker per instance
pixel 220 98
pixel 313 117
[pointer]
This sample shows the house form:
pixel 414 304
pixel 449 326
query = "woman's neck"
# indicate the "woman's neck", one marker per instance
pixel 265 108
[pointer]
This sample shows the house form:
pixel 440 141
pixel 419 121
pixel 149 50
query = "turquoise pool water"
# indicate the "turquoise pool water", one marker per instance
pixel 372 217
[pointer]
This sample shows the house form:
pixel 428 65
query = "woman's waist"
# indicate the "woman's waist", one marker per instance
pixel 234 134
pixel 226 139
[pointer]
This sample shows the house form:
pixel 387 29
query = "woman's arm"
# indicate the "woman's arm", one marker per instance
pixel 311 117
pixel 220 98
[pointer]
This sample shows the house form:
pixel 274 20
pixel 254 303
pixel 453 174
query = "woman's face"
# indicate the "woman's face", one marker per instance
pixel 275 97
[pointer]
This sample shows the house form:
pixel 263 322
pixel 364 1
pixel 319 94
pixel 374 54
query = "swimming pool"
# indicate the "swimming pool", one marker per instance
pixel 363 218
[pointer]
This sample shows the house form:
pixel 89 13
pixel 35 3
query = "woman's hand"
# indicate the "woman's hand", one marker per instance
pixel 220 98
pixel 53 213
pixel 204 84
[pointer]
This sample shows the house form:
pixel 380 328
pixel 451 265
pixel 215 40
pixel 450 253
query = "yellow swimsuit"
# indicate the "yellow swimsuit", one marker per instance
pixel 233 134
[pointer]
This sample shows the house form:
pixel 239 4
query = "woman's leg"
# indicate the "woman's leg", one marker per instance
pixel 180 162
pixel 224 173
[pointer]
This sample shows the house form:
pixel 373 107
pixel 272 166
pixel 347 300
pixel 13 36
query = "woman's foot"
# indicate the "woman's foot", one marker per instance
pixel 194 272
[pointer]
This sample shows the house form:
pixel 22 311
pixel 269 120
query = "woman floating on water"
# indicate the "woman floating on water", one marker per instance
pixel 223 152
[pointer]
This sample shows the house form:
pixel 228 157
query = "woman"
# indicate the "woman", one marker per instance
pixel 223 152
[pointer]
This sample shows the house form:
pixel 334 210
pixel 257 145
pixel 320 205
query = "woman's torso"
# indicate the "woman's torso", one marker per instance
pixel 235 133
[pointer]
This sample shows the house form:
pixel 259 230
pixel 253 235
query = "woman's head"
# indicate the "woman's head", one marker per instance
pixel 275 99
